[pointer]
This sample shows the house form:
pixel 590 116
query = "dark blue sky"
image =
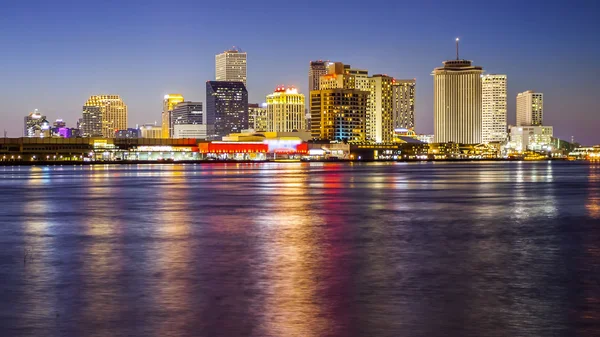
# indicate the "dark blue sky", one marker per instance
pixel 57 53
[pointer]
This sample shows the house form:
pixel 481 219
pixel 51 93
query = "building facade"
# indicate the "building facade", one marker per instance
pixel 380 123
pixel 226 107
pixel 493 108
pixel 231 66
pixel 338 114
pixel 530 138
pixel 403 103
pixel 257 117
pixel 197 131
pixel 188 112
pixel 457 102
pixel 103 115
pixel 169 102
pixel 151 131
pixel 361 78
pixel 530 108
pixel 285 110
pixel 316 69
pixel 36 125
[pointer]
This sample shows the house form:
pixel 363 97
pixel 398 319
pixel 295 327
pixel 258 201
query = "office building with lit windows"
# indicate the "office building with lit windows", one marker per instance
pixel 530 108
pixel 285 110
pixel 231 66
pixel 493 108
pixel 380 123
pixel 316 69
pixel 403 103
pixel 169 102
pixel 103 115
pixel 530 138
pixel 361 78
pixel 226 107
pixel 457 102
pixel 257 117
pixel 338 114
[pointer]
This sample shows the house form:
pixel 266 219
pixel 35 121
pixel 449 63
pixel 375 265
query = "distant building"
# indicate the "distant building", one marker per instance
pixel 226 107
pixel 128 133
pixel 530 138
pixel 231 66
pixel 426 138
pixel 530 108
pixel 285 110
pixel 169 101
pixel 198 131
pixel 403 103
pixel 150 131
pixel 361 78
pixel 316 69
pixel 457 102
pixel 103 115
pixel 188 113
pixel 257 117
pixel 493 108
pixel 36 125
pixel 59 123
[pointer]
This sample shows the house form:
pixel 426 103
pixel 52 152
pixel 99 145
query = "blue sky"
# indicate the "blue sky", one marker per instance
pixel 56 54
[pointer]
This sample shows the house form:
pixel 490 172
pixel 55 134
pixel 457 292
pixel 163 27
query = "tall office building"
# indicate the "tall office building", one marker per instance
pixel 457 102
pixel 285 110
pixel 103 115
pixel 36 125
pixel 530 108
pixel 226 107
pixel 403 103
pixel 316 69
pixel 380 123
pixel 257 117
pixel 231 66
pixel 493 108
pixel 169 102
pixel 338 114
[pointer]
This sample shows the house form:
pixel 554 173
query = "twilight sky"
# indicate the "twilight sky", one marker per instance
pixel 55 54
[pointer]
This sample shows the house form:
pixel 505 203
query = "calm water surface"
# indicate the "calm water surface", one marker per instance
pixel 299 249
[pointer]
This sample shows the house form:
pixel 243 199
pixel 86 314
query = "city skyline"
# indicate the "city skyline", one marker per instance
pixel 53 81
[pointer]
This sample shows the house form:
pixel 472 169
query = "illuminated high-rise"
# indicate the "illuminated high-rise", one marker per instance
pixel 403 103
pixel 103 115
pixel 361 78
pixel 316 69
pixel 231 66
pixel 285 110
pixel 493 108
pixel 530 108
pixel 169 102
pixel 457 102
pixel 226 107
pixel 257 117
pixel 380 123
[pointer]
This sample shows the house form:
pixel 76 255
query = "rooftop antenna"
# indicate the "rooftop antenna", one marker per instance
pixel 457 39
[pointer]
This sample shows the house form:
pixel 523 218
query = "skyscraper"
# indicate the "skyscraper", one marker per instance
pixel 169 102
pixel 493 108
pixel 457 102
pixel 380 123
pixel 315 71
pixel 285 110
pixel 231 66
pixel 226 107
pixel 338 114
pixel 36 125
pixel 530 108
pixel 403 103
pixel 103 115
pixel 257 117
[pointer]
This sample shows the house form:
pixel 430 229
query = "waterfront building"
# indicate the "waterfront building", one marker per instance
pixel 316 69
pixel 380 123
pixel 530 108
pixel 493 108
pixel 339 114
pixel 169 102
pixel 285 110
pixel 403 103
pixel 231 66
pixel 151 131
pixel 457 102
pixel 226 107
pixel 102 115
pixel 530 138
pixel 36 125
pixel 257 117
